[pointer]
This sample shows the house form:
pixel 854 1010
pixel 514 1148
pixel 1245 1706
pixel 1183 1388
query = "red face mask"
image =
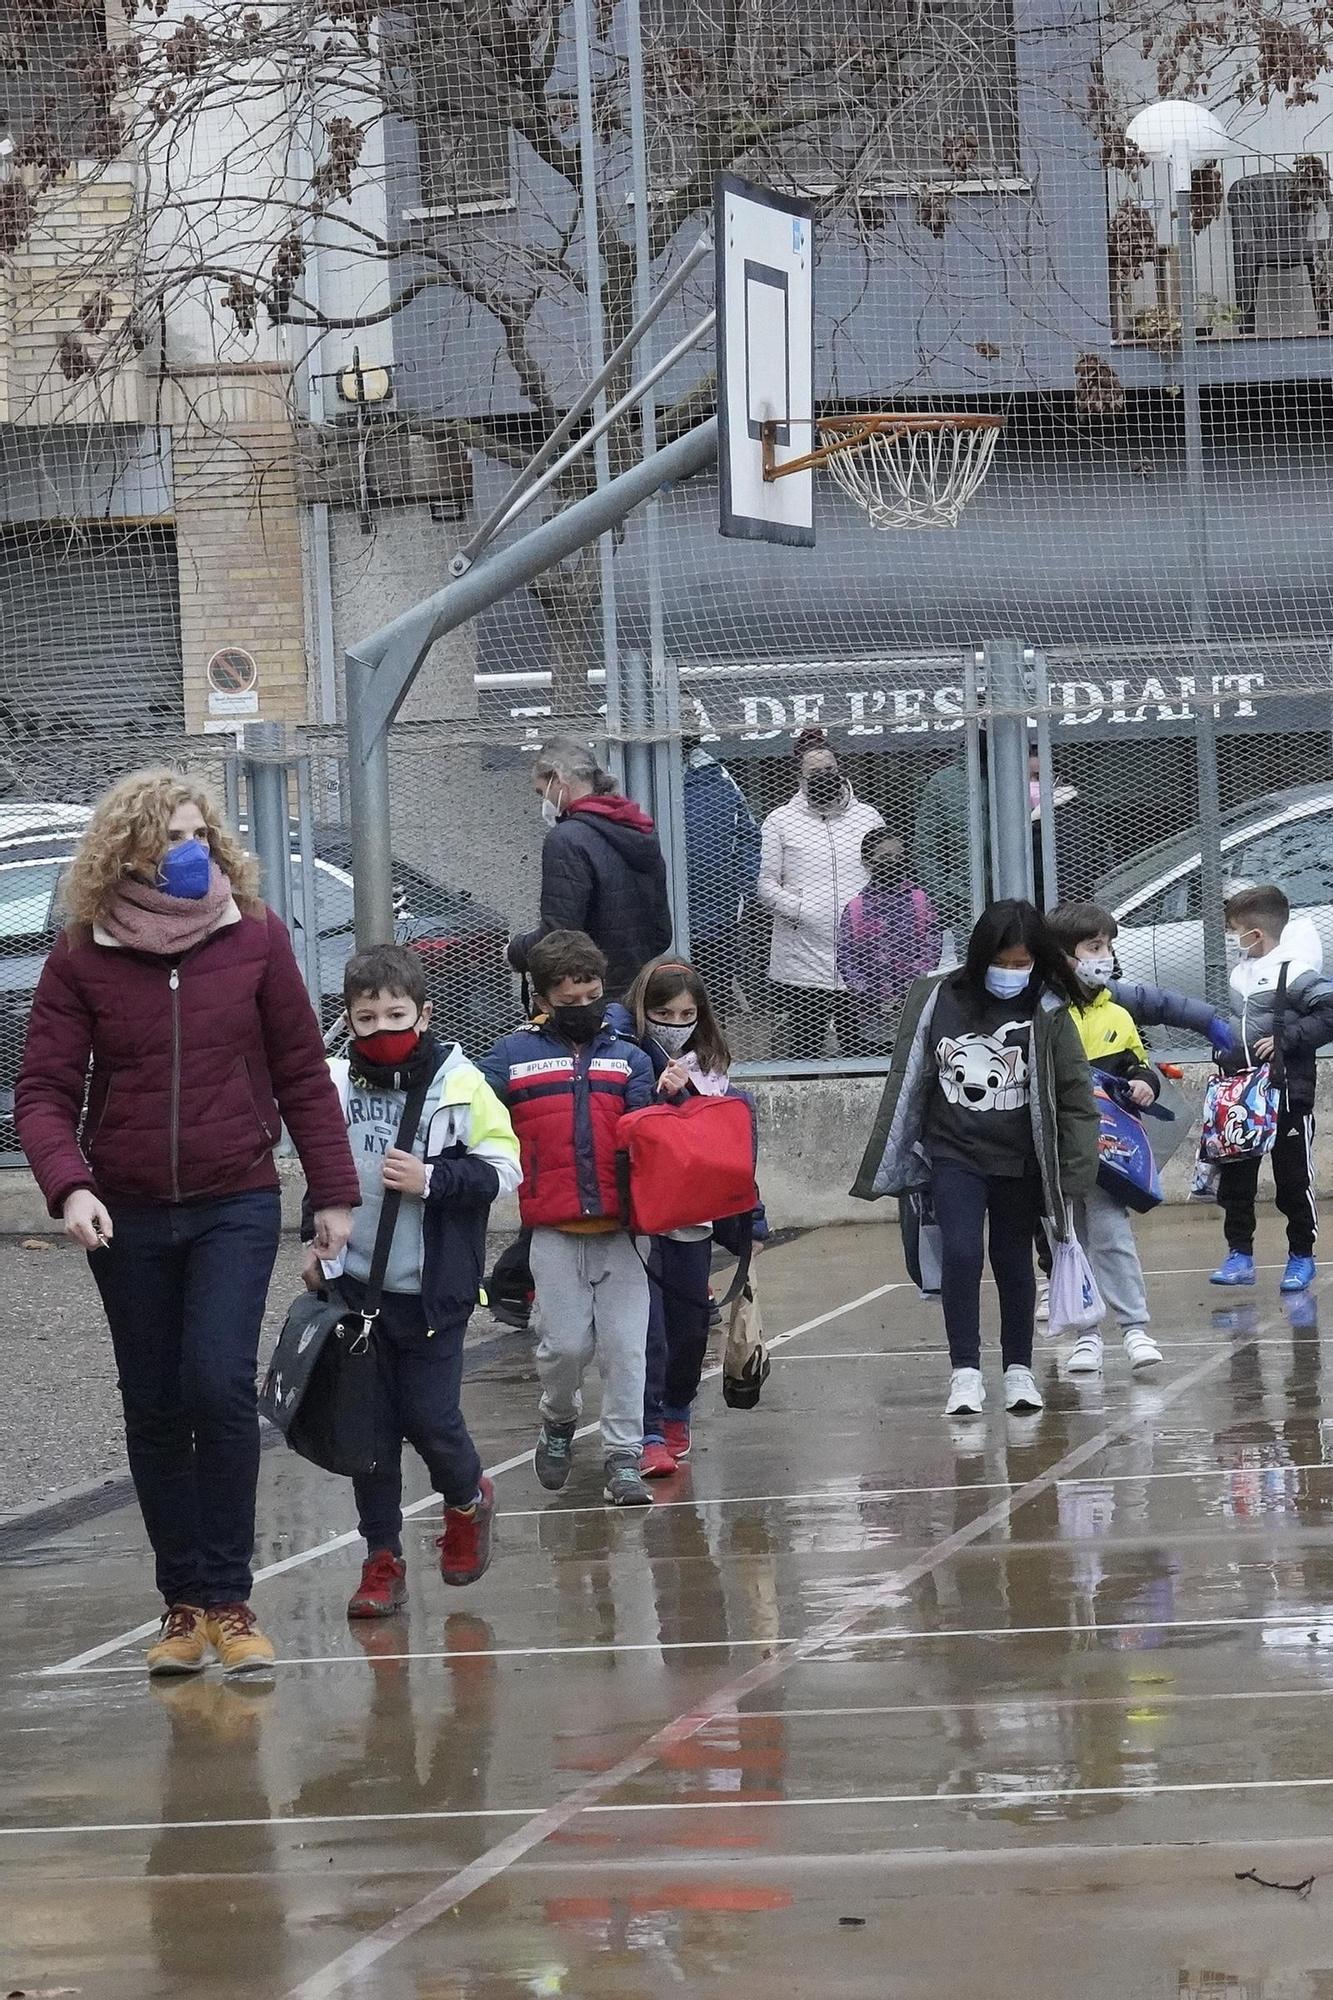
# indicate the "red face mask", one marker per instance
pixel 389 1049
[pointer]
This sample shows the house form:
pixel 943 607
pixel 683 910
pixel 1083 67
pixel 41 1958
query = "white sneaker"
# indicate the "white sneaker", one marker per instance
pixel 1021 1391
pixel 967 1393
pixel 1141 1350
pixel 1043 1301
pixel 1086 1358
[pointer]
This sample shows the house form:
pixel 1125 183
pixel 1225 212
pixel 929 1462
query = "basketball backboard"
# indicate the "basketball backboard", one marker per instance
pixel 766 359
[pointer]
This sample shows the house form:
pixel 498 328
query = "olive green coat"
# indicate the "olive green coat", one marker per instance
pixel 1064 1116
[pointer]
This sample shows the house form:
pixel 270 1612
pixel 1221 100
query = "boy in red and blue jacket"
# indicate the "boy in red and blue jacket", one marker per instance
pixel 568 1079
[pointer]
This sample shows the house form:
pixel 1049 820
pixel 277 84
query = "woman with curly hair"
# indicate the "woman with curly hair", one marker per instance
pixel 181 990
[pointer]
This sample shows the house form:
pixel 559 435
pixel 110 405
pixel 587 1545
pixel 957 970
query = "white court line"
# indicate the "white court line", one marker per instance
pixel 610 1647
pixel 836 1495
pixel 358 1959
pixel 302 1557
pixel 732 1802
pixel 1045 1343
pixel 1143 1693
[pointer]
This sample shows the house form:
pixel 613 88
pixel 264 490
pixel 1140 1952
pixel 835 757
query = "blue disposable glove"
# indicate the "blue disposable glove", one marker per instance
pixel 1223 1036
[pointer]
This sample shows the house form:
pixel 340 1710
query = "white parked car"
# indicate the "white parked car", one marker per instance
pixel 28 816
pixel 1157 898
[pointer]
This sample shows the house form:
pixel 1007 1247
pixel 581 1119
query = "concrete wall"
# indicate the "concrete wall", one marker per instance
pixel 812 1135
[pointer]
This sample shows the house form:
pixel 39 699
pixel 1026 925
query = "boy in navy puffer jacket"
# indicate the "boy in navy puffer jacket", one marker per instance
pixel 568 1080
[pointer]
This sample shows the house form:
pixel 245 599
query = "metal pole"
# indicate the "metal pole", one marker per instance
pixel 635 723
pixel 231 789
pixel 652 309
pixel 266 784
pixel 1211 883
pixel 669 793
pixel 610 418
pixel 1008 769
pixel 593 280
pixel 978 803
pixel 305 819
pixel 380 670
pixel 396 651
pixel 1050 884
pixel 368 794
pixel 663 670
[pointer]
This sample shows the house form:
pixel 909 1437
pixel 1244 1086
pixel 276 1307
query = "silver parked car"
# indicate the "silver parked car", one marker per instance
pixel 1286 838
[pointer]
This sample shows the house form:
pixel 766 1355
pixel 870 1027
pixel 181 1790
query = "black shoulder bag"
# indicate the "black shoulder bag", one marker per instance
pixel 322 1385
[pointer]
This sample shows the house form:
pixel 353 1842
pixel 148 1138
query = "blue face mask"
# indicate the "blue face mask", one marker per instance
pixel 186 870
pixel 1006 982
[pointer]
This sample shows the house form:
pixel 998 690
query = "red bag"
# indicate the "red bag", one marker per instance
pixel 684 1164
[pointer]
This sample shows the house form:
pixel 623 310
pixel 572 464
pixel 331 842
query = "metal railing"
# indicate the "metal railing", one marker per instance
pixel 1260 241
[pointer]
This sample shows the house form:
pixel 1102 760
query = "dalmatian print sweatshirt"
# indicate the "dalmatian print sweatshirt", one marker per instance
pixel 978 1113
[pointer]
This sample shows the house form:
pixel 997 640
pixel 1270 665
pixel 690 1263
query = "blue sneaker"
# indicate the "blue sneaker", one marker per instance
pixel 1299 1275
pixel 1238 1270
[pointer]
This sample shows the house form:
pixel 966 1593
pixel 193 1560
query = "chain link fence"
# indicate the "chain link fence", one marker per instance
pixel 227 462
pixel 808 917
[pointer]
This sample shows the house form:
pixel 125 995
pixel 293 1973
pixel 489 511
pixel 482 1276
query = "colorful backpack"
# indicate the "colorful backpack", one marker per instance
pixel 1240 1116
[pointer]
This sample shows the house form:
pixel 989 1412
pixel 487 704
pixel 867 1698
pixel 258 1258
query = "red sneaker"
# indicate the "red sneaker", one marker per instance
pixel 656 1461
pixel 465 1545
pixel 382 1589
pixel 678 1438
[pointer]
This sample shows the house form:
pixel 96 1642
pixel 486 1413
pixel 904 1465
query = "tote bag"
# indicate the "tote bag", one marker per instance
pixel 745 1362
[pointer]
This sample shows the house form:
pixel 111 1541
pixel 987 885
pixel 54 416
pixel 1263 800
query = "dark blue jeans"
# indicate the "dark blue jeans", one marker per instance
pixel 970 1208
pixel 184 1290
pixel 421 1382
pixel 678 1320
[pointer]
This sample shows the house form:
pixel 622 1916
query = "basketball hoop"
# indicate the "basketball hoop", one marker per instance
pixel 902 470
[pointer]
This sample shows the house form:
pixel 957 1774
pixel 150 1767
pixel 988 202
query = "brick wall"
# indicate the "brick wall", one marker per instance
pixel 238 539
pixel 66 292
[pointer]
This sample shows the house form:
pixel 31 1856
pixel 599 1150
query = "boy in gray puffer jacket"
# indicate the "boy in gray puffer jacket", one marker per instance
pixel 1286 1015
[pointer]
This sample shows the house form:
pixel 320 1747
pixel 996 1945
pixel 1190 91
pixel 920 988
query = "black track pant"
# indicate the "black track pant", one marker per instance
pixel 1293 1177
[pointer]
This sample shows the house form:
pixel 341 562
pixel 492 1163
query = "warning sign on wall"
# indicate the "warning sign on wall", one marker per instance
pixel 233 682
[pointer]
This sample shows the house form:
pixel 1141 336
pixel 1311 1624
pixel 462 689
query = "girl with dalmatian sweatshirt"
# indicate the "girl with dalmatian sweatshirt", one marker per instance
pixel 989 1105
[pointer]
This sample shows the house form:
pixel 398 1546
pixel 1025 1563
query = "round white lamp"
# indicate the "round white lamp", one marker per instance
pixel 1180 132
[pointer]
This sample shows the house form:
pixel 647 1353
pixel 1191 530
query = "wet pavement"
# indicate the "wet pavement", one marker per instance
pixel 871 1704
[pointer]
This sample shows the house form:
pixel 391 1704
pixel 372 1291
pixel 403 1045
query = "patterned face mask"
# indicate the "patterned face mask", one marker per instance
pixel 1095 973
pixel 672 1037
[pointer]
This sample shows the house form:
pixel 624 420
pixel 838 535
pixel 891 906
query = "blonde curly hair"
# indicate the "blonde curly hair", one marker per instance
pixel 128 832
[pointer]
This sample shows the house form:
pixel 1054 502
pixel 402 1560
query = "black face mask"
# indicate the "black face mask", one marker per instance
pixel 578 1023
pixel 888 873
pixel 824 788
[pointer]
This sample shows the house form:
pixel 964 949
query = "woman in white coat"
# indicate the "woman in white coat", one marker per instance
pixel 810 868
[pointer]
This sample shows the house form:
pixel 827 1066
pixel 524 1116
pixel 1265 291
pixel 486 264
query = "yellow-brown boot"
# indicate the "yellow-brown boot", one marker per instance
pixel 182 1645
pixel 234 1635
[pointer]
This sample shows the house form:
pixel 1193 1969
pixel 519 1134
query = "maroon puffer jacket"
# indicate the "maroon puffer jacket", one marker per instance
pixel 194 1067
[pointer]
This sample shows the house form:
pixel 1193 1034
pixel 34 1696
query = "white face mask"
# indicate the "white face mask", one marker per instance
pixel 1238 946
pixel 672 1036
pixel 1095 973
pixel 1006 982
pixel 550 810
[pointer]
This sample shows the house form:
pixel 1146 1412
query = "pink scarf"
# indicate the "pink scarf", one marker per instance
pixel 143 918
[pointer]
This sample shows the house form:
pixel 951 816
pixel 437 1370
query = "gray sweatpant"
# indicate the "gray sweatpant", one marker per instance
pixel 1105 1228
pixel 592 1297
